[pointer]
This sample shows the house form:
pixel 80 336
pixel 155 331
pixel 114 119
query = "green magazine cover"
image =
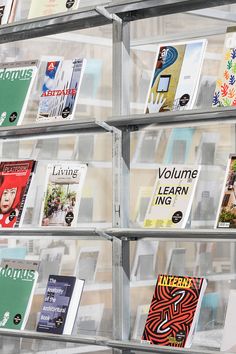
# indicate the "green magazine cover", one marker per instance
pixel 17 288
pixel 16 80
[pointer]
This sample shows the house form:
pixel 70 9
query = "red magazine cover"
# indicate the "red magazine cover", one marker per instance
pixel 15 178
pixel 174 310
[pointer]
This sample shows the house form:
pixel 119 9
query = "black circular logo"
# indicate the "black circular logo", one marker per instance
pixel 58 321
pixel 17 319
pixel 69 217
pixel 13 117
pixel 177 217
pixel 184 100
pixel 70 3
pixel 12 215
pixel 180 336
pixel 65 112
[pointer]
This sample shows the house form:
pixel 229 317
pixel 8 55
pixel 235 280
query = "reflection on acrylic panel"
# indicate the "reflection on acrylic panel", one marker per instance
pixel 179 145
pixel 175 76
pixel 87 261
pixel 207 148
pixel 50 263
pixel 206 91
pixel 204 259
pixel 144 260
pixel 176 261
pixel 89 319
pixel 147 145
pixel 140 320
pixel 229 342
pixel 143 198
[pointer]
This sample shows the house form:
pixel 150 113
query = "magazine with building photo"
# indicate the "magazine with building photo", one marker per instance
pixel 48 7
pixel 61 202
pixel 225 90
pixel 15 179
pixel 61 303
pixel 16 80
pixel 17 283
pixel 226 215
pixel 175 76
pixel 6 8
pixel 60 89
pixel 174 310
pixel 172 196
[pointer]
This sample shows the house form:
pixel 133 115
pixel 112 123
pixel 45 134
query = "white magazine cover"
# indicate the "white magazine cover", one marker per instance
pixel 60 89
pixel 172 196
pixel 175 76
pixel 62 196
pixel 6 7
pixel 49 7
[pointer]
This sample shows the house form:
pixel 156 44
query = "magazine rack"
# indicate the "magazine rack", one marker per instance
pixel 119 234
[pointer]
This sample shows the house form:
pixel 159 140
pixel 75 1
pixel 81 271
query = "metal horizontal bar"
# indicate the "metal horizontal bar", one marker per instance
pixel 138 9
pixel 180 234
pixel 50 129
pixel 135 346
pixel 43 26
pixel 194 116
pixel 70 233
pixel 128 10
pixel 101 341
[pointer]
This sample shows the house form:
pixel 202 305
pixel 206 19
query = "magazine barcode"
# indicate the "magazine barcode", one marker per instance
pixel 224 224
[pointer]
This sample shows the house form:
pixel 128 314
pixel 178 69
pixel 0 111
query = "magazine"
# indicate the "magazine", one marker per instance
pixel 15 178
pixel 226 215
pixel 172 196
pixel 174 310
pixel 63 193
pixel 225 91
pixel 49 7
pixel 16 80
pixel 60 306
pixel 60 89
pixel 176 76
pixel 17 281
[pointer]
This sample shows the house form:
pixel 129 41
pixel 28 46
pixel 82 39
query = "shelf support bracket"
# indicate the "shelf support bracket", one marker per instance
pixel 104 235
pixel 103 11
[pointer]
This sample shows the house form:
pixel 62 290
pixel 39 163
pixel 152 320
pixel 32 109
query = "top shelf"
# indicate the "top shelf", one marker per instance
pixel 97 16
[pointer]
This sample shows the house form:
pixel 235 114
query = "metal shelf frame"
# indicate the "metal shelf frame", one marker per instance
pixel 117 13
pixel 126 10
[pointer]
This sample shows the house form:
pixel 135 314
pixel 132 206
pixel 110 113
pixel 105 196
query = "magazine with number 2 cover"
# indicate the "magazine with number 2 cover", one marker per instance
pixel 60 89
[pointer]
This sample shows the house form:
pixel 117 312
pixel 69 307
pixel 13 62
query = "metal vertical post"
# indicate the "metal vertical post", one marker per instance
pixel 121 170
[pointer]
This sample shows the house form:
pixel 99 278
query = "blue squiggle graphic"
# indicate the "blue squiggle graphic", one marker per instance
pixel 171 57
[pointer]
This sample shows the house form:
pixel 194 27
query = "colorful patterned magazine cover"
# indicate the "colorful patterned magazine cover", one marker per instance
pixel 15 178
pixel 49 7
pixel 226 216
pixel 60 90
pixel 16 80
pixel 225 91
pixel 175 76
pixel 6 7
pixel 174 310
pixel 172 196
pixel 63 193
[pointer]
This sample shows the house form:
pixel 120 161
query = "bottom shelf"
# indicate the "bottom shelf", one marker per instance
pixel 207 342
